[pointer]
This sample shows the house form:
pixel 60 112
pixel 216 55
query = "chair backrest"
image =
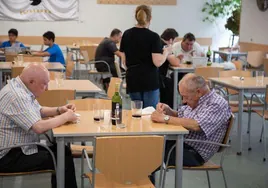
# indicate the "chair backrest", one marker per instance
pixel 118 70
pixel 26 58
pixel 228 131
pixel 16 71
pixel 128 159
pixel 255 58
pixel 234 73
pixel 208 72
pixel 87 104
pixel 238 65
pixel 90 49
pixel 85 55
pixel 69 65
pixel 111 88
pixel 55 98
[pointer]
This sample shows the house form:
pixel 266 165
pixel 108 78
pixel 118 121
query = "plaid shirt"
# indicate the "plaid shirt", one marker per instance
pixel 212 114
pixel 19 111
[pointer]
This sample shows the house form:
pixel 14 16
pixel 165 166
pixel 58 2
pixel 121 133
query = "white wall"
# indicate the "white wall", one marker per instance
pixel 98 20
pixel 254 23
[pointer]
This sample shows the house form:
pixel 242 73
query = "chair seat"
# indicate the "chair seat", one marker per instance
pixel 26 173
pixel 207 166
pixel 102 182
pixel 234 109
pixel 254 103
pixel 259 112
pixel 77 150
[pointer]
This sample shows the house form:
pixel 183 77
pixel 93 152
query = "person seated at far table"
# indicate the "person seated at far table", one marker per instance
pixel 206 115
pixel 106 51
pixel 12 42
pixel 53 51
pixel 187 48
pixel 21 122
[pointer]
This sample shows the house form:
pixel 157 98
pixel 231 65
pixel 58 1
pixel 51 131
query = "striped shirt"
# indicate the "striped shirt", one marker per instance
pixel 212 114
pixel 19 111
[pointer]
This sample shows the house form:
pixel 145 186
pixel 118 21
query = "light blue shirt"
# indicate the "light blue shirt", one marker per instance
pixel 8 44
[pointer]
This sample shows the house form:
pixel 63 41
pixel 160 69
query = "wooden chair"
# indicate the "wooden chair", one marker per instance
pixel 238 65
pixel 118 70
pixel 208 166
pixel 255 58
pixel 69 66
pixel 26 58
pixel 16 71
pixel 124 161
pixel 55 98
pixel 111 88
pixel 3 174
pixel 90 49
pixel 264 115
pixel 208 72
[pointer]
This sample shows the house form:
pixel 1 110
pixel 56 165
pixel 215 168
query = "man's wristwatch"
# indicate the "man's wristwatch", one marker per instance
pixel 166 118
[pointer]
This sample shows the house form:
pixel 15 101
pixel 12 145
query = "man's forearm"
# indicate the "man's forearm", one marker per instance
pixel 189 124
pixel 49 111
pixel 44 125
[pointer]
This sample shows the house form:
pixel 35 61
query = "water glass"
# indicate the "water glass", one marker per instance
pixel 20 60
pixel 118 121
pixel 59 78
pixel 96 113
pixel 136 109
pixel 259 77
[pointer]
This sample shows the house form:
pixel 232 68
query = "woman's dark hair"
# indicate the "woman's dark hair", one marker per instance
pixel 169 33
pixel 13 32
pixel 49 35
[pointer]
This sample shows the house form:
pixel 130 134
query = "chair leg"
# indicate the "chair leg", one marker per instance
pixel 82 171
pixel 164 178
pixel 261 133
pixel 209 185
pixel 249 132
pixel 161 174
pixel 264 138
pixel 224 178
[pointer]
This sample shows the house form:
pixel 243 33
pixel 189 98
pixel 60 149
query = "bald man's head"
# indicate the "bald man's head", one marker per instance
pixel 192 88
pixel 36 78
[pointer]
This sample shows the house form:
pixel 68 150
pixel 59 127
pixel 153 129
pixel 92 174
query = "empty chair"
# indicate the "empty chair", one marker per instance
pixel 125 161
pixel 55 98
pixel 16 71
pixel 87 104
pixel 208 72
pixel 255 58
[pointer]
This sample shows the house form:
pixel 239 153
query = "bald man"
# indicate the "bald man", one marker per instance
pixel 21 122
pixel 206 116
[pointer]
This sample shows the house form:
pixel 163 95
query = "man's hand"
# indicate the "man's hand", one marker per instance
pixel 67 107
pixel 158 117
pixel 181 56
pixel 163 108
pixel 70 115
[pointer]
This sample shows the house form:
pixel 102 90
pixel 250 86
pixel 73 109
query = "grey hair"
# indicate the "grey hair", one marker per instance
pixel 193 82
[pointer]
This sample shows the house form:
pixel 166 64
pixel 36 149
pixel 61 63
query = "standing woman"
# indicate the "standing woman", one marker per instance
pixel 143 54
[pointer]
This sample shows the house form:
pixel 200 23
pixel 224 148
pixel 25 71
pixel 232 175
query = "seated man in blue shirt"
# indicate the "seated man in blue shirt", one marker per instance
pixel 12 35
pixel 53 51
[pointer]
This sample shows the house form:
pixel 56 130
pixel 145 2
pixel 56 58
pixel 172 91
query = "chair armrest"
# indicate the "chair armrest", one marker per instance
pixel 38 144
pixel 84 154
pixel 207 142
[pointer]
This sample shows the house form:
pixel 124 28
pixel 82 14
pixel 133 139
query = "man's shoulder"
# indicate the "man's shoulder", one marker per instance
pixel 177 44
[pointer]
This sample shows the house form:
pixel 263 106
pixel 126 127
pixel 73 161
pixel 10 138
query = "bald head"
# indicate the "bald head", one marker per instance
pixel 192 82
pixel 36 78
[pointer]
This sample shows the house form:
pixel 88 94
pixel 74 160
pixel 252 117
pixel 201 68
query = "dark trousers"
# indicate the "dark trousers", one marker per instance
pixel 16 161
pixel 190 157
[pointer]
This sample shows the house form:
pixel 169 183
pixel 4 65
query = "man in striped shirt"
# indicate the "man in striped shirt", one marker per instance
pixel 21 122
pixel 206 116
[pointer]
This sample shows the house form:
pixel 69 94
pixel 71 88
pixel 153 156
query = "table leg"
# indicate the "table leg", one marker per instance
pixel 214 57
pixel 60 162
pixel 239 126
pixel 1 79
pixel 175 92
pixel 179 161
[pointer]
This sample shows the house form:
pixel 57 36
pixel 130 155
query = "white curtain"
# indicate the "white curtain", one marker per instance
pixel 29 10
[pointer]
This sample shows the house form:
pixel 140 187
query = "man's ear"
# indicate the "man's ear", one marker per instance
pixel 31 81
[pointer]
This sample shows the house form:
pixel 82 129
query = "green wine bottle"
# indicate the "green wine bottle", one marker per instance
pixel 117 106
pixel 209 54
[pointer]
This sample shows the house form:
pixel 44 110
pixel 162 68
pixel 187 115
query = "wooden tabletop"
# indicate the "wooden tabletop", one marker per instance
pixel 49 66
pixel 77 47
pixel 247 83
pixel 191 67
pixel 78 85
pixel 143 126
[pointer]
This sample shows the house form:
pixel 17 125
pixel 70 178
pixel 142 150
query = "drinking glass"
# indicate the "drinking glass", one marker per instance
pixel 20 60
pixel 119 123
pixel 136 108
pixel 59 78
pixel 96 113
pixel 259 77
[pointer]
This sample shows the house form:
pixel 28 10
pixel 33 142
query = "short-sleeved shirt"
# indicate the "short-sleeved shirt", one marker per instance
pixel 105 52
pixel 212 114
pixel 56 54
pixel 18 113
pixel 8 44
pixel 177 50
pixel 138 44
